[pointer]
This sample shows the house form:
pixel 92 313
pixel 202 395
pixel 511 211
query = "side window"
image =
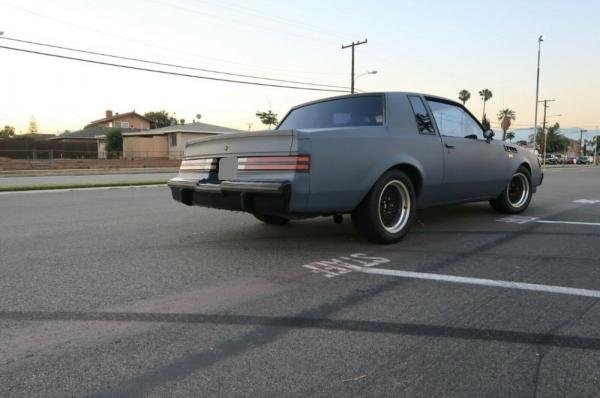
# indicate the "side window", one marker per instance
pixel 421 116
pixel 453 121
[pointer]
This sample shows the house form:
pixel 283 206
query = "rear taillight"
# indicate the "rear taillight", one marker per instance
pixel 298 163
pixel 198 165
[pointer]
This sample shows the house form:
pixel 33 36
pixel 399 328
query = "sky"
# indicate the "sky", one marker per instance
pixel 437 47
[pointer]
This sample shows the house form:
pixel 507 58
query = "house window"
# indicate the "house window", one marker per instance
pixel 173 139
pixel 124 125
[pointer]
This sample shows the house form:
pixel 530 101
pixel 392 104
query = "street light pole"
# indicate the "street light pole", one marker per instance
pixel 537 87
pixel 354 44
pixel 371 72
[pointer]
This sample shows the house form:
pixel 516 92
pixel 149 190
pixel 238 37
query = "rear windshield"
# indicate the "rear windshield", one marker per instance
pixel 343 112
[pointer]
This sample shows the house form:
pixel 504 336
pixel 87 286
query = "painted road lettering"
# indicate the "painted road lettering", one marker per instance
pixel 343 265
pixel 517 219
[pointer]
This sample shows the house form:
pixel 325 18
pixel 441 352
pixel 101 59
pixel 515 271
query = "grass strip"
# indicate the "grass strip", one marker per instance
pixel 106 184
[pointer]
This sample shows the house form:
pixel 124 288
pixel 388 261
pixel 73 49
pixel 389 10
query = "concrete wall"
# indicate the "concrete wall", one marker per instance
pixel 17 164
pixel 145 146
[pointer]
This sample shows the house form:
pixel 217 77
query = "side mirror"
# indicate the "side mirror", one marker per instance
pixel 488 135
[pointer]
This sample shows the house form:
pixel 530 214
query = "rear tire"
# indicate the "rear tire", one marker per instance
pixel 515 198
pixel 387 212
pixel 271 219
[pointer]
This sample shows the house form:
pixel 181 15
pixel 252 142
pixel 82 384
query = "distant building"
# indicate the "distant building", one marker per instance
pixel 167 142
pixel 129 120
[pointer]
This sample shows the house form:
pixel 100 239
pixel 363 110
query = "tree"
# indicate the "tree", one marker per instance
pixel 485 123
pixel 485 95
pixel 114 140
pixel 160 118
pixel 181 121
pixel 555 141
pixel 7 132
pixel 33 128
pixel 505 116
pixel 510 136
pixel 269 118
pixel 464 96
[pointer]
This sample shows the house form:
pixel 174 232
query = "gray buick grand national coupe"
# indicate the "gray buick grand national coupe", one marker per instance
pixel 377 156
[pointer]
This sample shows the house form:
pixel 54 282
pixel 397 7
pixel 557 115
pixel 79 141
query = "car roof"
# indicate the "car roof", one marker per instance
pixel 369 94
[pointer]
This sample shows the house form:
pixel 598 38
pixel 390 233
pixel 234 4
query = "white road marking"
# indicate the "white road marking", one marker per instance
pixel 568 222
pixel 81 189
pixel 587 201
pixel 517 219
pixel 336 266
pixel 482 282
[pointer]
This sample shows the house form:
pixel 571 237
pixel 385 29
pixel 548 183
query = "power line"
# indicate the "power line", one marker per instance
pixel 245 25
pixel 150 45
pixel 275 18
pixel 170 73
pixel 167 64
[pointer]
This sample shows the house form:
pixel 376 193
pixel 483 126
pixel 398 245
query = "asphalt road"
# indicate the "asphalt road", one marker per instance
pixel 84 179
pixel 124 292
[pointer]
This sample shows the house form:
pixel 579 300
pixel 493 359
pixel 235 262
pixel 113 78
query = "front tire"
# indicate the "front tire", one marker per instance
pixel 271 219
pixel 515 198
pixel 387 212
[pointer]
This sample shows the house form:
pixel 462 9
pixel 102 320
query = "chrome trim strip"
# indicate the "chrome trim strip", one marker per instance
pixel 181 183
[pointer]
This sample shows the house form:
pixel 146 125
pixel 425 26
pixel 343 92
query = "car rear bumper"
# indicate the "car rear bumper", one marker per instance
pixel 261 197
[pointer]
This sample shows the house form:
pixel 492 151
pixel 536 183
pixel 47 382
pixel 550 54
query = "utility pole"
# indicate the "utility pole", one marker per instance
pixel 249 126
pixel 596 142
pixel 544 128
pixel 354 44
pixel 581 131
pixel 537 89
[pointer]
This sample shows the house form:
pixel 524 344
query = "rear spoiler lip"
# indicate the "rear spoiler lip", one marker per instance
pixel 240 135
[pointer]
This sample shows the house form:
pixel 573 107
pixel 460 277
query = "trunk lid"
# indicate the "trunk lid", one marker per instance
pixel 252 143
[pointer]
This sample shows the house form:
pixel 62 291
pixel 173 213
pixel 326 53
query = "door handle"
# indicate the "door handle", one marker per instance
pixel 449 146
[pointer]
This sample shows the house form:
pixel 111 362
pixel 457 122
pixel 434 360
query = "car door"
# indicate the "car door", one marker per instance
pixel 473 167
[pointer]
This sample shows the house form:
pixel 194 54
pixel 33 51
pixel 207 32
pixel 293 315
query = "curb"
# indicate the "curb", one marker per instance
pixel 49 187
pixel 74 172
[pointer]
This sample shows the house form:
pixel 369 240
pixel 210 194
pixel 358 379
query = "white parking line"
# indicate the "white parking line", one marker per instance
pixel 587 201
pixel 481 282
pixel 568 222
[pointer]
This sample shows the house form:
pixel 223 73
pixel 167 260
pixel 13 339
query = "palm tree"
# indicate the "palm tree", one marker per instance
pixel 504 117
pixel 485 96
pixel 510 136
pixel 464 96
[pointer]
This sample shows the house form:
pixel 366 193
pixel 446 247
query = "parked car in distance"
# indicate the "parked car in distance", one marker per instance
pixel 571 160
pixel 583 160
pixel 551 159
pixel 376 156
